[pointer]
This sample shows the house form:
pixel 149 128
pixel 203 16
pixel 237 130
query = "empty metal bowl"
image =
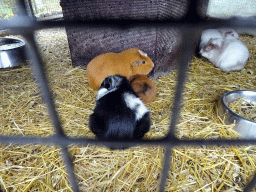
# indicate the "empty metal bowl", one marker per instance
pixel 245 127
pixel 12 52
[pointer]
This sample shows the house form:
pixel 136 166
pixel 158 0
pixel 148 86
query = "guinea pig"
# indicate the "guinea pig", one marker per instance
pixel 144 88
pixel 221 33
pixel 126 63
pixel 119 113
pixel 228 33
pixel 226 54
pixel 209 34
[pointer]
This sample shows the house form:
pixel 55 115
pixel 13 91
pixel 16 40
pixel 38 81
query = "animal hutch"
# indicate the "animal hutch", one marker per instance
pixel 45 142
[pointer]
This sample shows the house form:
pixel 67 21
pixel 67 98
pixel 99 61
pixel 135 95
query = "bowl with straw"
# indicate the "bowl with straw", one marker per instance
pixel 239 108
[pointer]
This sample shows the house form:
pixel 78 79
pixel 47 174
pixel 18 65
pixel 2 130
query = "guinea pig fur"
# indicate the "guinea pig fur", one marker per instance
pixel 119 113
pixel 220 33
pixel 127 63
pixel 144 87
pixel 227 54
pixel 207 35
pixel 228 33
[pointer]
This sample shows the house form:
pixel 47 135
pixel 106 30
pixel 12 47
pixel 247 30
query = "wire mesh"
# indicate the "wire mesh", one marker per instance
pixel 194 24
pixel 46 9
pixel 39 9
pixel 8 9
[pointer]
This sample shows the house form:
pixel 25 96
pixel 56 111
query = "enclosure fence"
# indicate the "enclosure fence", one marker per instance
pixel 192 25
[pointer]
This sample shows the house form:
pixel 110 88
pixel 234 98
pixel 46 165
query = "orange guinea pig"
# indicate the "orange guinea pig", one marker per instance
pixel 144 87
pixel 126 63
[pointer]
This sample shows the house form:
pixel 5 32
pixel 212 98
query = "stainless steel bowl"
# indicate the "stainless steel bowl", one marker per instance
pixel 12 52
pixel 245 127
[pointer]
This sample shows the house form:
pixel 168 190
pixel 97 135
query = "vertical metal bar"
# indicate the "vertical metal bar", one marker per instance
pixel 188 46
pixel 39 72
pixel 166 168
pixel 22 10
pixel 187 51
pixel 30 9
pixel 251 185
pixel 70 168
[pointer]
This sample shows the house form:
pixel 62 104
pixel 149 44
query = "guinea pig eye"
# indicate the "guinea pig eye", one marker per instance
pixel 143 62
pixel 206 49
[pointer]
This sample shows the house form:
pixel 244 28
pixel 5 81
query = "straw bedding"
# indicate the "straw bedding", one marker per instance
pixel 244 108
pixel 40 167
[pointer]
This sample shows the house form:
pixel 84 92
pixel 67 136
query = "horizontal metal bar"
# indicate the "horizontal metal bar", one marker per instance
pixel 27 23
pixel 56 140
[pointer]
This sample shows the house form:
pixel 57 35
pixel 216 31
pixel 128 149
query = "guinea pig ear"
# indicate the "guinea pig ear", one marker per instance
pixel 216 43
pixel 229 33
pixel 142 53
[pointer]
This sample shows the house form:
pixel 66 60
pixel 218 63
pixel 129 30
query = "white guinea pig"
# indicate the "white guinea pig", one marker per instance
pixel 209 34
pixel 119 113
pixel 228 33
pixel 226 54
pixel 221 33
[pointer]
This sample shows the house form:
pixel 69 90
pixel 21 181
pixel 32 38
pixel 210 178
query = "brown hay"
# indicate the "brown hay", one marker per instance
pixel 40 167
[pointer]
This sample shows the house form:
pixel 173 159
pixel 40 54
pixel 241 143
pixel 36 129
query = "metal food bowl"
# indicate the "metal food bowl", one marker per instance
pixel 245 127
pixel 12 52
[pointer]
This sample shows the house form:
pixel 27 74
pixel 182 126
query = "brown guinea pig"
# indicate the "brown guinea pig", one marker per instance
pixel 126 63
pixel 144 87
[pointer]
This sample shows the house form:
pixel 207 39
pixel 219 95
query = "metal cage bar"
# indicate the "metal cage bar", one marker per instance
pixel 191 26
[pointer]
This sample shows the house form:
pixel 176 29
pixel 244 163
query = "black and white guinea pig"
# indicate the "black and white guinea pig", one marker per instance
pixel 119 113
